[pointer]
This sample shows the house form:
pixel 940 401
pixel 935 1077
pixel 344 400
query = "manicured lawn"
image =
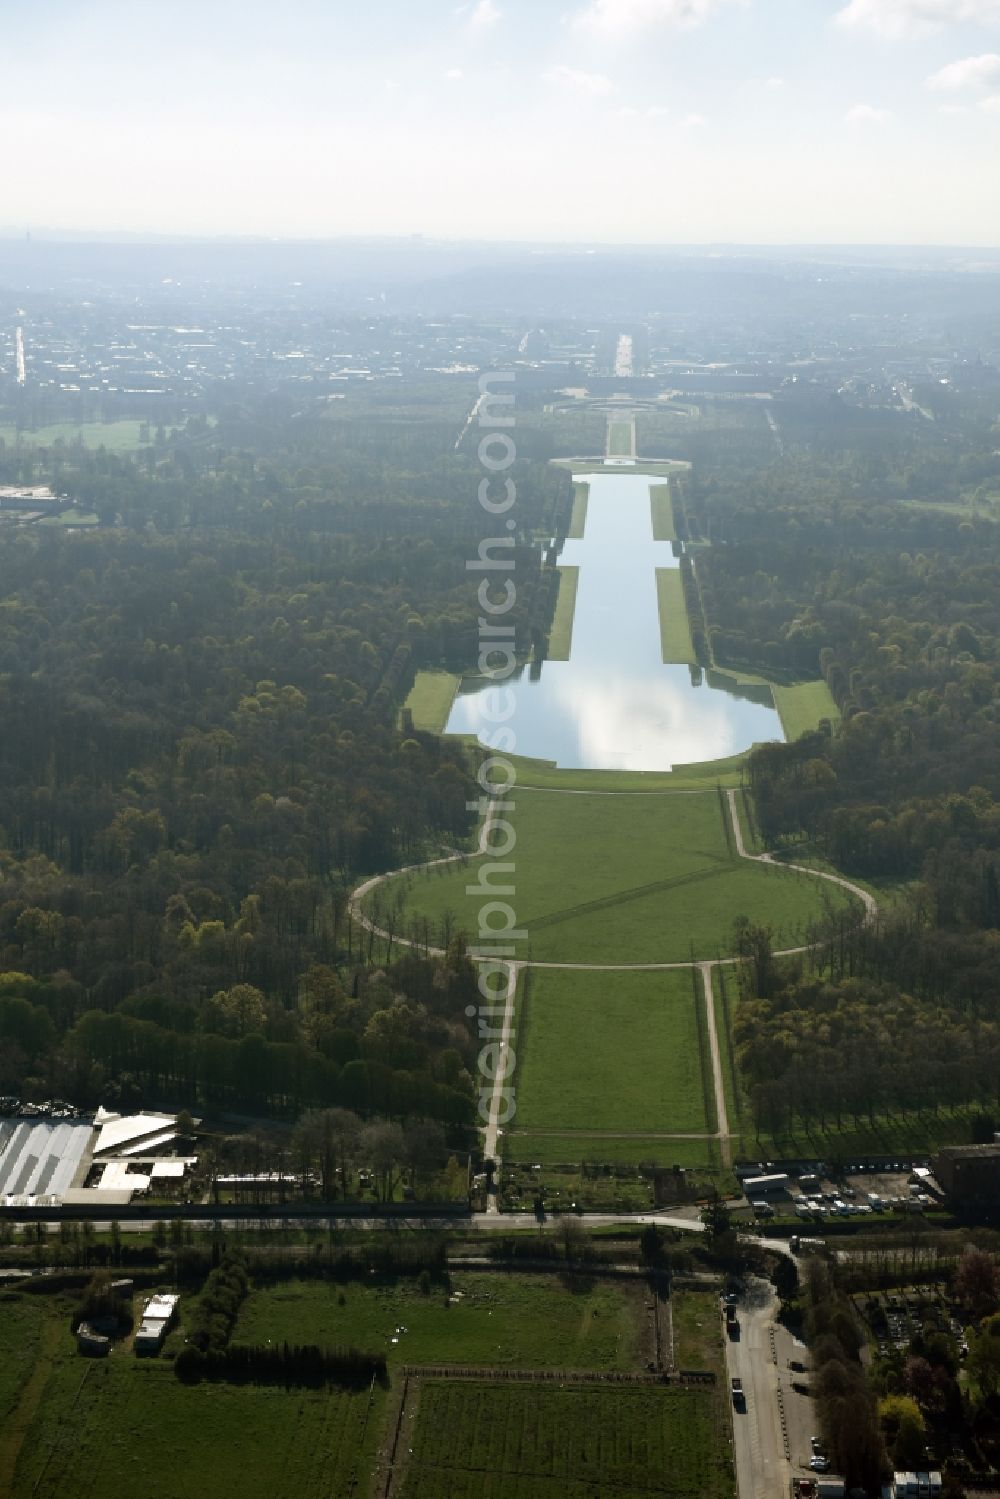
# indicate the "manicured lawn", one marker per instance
pixel 578 523
pixel 124 1427
pixel 620 440
pixel 117 437
pixel 515 1321
pixel 561 634
pixel 802 707
pixel 430 699
pixel 611 1051
pixel 481 1441
pixel 676 647
pixel 662 512
pixel 621 879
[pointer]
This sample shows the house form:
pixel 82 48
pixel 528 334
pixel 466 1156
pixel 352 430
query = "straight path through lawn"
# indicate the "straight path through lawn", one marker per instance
pixel 513 969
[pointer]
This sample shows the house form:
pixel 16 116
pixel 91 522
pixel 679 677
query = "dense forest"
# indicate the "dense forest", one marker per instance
pixel 202 753
pixel 825 565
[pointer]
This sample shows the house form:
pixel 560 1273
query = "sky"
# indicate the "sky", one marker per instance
pixel 650 121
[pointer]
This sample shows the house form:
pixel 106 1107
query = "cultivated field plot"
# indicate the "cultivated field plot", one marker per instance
pixel 485 1441
pixel 613 1051
pixel 125 1427
pixel 507 1321
pixel 618 879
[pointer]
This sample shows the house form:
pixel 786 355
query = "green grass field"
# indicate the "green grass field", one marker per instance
pixel 71 517
pixel 573 1146
pixel 615 1051
pixel 578 521
pixel 620 440
pixel 22 1319
pixel 121 1427
pixel 117 437
pixel 697 1330
pixel 803 706
pixel 676 647
pixel 511 1321
pixel 662 512
pixel 621 879
pixel 561 634
pixel 430 698
pixel 482 1441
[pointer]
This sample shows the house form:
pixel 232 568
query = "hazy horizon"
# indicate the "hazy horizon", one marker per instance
pixel 664 122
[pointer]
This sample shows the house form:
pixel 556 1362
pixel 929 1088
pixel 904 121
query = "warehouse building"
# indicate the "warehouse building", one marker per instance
pixel 157 1315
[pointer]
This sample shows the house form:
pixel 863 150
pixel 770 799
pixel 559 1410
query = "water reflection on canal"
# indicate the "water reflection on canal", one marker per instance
pixel 614 705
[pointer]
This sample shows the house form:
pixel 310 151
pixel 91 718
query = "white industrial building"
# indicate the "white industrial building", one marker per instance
pixel 56 1158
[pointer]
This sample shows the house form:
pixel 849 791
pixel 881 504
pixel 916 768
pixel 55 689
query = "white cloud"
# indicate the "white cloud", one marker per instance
pixel 693 122
pixel 991 104
pixel 623 17
pixel 484 15
pixel 453 75
pixel 902 19
pixel 867 114
pixel 594 84
pixel 967 73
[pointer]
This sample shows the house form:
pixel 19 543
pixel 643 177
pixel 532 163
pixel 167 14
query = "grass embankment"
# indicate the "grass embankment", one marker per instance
pixel 483 1441
pixel 578 520
pixel 703 776
pixel 430 698
pixel 621 879
pixel 661 506
pixel 114 1428
pixel 803 707
pixel 612 1051
pixel 676 647
pixel 655 467
pixel 506 1321
pixel 561 634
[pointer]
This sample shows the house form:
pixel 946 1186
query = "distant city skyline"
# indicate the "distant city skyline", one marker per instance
pixel 632 121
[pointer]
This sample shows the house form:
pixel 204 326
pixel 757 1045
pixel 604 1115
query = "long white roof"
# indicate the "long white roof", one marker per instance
pixel 118 1133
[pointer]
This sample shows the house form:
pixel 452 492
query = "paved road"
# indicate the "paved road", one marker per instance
pixel 762 1469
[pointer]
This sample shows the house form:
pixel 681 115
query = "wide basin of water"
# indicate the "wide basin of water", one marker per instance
pixel 614 705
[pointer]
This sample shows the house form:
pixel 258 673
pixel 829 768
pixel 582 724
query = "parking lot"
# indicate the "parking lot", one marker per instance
pixel 856 1193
